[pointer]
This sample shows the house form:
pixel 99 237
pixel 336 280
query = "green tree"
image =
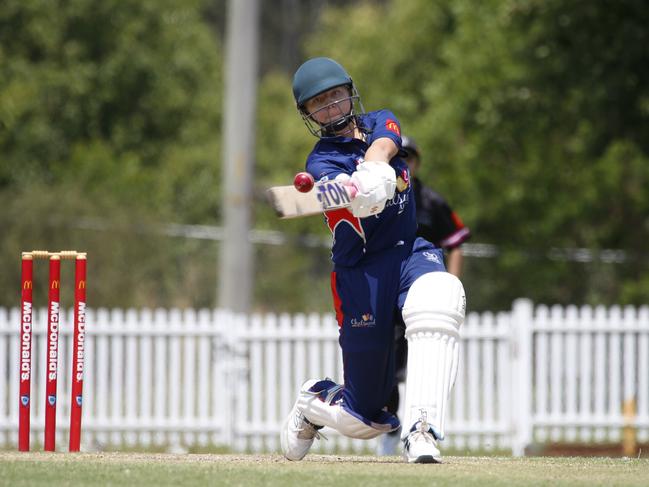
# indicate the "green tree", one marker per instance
pixel 532 117
pixel 286 279
pixel 109 119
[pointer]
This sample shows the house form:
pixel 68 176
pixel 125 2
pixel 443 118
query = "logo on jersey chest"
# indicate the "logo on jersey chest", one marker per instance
pixel 400 195
pixel 403 181
pixel 399 200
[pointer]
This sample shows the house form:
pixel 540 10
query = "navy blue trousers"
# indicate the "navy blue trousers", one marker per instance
pixel 367 297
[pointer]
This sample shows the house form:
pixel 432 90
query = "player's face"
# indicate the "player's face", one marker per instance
pixel 330 106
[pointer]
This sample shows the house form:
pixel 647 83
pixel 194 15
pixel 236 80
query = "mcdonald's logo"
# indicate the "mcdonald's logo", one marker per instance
pixel 82 284
pixel 55 284
pixel 27 285
pixel 392 126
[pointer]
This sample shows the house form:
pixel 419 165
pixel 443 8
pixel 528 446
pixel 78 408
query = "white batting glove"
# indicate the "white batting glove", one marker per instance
pixel 384 171
pixel 343 179
pixel 371 197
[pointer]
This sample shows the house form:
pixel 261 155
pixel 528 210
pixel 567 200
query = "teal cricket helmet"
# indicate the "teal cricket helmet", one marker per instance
pixel 317 75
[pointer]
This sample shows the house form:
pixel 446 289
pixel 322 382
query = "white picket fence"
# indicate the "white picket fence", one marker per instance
pixel 184 379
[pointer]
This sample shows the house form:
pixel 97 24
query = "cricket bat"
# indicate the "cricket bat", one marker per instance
pixel 288 202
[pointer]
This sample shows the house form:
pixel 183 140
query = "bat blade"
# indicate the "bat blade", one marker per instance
pixel 288 202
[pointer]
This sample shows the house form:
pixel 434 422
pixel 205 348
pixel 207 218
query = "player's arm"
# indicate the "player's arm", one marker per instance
pixel 386 142
pixel 377 163
pixel 382 149
pixel 374 179
pixel 454 261
pixel 456 234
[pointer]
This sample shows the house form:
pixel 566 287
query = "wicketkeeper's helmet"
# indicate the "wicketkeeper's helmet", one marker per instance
pixel 316 76
pixel 409 145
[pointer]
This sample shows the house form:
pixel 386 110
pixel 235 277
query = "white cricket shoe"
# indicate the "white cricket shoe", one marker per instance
pixel 420 446
pixel 298 433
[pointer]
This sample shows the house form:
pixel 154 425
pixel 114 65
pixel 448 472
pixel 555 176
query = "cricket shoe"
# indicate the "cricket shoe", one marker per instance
pixel 420 446
pixel 298 432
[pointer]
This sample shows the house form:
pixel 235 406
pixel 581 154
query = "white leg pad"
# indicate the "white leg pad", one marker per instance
pixel 325 413
pixel 433 313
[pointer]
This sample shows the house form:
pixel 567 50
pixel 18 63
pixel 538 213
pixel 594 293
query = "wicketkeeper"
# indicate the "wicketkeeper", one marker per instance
pixel 381 269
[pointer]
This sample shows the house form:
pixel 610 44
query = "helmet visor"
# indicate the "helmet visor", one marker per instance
pixel 333 117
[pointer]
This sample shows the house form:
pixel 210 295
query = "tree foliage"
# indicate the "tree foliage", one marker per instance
pixel 108 112
pixel 532 117
pixel 111 93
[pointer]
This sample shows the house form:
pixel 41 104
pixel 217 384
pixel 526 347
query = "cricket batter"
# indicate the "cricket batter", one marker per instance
pixel 439 224
pixel 380 269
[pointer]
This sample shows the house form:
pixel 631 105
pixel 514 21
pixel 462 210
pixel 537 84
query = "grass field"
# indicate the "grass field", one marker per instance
pixel 134 469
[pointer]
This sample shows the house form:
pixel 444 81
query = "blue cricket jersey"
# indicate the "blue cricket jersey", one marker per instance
pixel 355 239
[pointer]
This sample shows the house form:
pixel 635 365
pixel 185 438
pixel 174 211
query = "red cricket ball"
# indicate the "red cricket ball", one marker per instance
pixel 303 182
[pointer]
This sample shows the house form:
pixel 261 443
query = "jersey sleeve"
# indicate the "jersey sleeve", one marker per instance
pixel 323 168
pixel 459 233
pixel 386 125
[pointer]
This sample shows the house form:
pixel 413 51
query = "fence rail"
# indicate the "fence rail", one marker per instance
pixel 211 377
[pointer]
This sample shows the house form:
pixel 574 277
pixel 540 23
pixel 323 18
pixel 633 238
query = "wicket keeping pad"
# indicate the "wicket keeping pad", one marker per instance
pixel 288 202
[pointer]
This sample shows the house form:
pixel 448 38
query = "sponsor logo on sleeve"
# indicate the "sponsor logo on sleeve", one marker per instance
pixel 392 126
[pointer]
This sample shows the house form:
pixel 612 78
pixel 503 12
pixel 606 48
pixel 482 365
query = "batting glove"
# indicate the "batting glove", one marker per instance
pixel 371 197
pixel 384 171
